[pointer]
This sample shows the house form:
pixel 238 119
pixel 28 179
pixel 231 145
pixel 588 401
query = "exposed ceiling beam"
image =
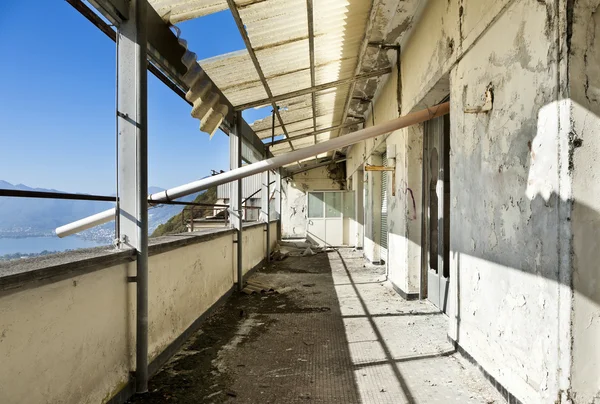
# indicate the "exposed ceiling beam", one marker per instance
pixel 361 56
pixel 314 89
pixel 311 51
pixel 261 75
pixel 315 133
pixel 313 166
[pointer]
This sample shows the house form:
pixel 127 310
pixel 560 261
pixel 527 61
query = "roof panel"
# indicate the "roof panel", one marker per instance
pixel 175 11
pixel 279 36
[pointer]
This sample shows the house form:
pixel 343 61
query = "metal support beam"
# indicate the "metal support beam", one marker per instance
pixel 132 126
pixel 261 75
pixel 313 166
pixel 235 194
pixel 278 203
pixel 291 173
pixel 315 133
pixel 265 210
pixel 311 51
pixel 314 89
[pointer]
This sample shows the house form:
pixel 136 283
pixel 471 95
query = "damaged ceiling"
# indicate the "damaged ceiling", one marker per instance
pixel 304 56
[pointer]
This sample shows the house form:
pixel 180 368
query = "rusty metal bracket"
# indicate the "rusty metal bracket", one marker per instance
pixel 385 168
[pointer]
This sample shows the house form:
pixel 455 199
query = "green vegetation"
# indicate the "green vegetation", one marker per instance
pixel 175 224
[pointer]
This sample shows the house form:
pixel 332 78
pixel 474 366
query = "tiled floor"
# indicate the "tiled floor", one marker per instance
pixel 335 333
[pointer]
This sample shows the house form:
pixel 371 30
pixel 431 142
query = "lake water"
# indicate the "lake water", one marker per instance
pixel 38 244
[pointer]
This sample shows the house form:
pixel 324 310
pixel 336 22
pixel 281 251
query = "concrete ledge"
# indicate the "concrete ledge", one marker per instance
pixel 405 296
pixel 511 399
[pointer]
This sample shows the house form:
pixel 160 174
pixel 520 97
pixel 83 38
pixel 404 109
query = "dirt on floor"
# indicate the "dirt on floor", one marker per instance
pixel 207 371
pixel 335 332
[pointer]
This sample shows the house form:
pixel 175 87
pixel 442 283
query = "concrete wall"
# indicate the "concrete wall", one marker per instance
pixel 510 292
pixel 504 204
pixel 584 150
pixel 69 341
pixel 184 283
pixel 254 246
pixel 73 340
pixel 294 199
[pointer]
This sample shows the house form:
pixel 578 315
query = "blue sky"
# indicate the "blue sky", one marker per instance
pixel 57 103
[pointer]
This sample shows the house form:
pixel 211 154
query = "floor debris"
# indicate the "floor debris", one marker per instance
pixel 355 342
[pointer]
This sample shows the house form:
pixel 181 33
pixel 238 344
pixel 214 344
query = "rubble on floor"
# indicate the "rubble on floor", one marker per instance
pixel 335 333
pixel 295 248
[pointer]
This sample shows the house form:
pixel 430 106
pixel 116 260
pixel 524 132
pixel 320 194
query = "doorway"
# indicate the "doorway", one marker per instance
pixel 436 210
pixel 325 222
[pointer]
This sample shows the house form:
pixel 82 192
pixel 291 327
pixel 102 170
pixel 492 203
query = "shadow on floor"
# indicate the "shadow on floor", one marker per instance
pixel 335 333
pixel 288 347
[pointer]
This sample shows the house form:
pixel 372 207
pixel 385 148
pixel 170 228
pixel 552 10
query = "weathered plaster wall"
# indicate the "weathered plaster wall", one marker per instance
pixel 254 247
pixel 509 293
pixel 183 284
pixel 357 238
pixel 69 341
pixel 404 250
pixel 73 341
pixel 584 65
pixel 294 199
pixel 504 202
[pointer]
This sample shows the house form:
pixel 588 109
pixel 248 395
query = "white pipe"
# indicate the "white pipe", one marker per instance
pixel 269 164
pixel 86 223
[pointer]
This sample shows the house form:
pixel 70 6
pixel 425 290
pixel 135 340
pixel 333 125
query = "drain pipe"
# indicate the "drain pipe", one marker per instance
pixel 268 164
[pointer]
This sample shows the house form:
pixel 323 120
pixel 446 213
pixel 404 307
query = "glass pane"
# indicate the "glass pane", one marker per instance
pixel 349 204
pixel 315 204
pixel 333 204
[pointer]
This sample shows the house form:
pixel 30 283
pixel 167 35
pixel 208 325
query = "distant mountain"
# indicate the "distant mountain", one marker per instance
pixel 23 217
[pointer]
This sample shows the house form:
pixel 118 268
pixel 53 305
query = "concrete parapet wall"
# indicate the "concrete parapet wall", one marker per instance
pixel 67 324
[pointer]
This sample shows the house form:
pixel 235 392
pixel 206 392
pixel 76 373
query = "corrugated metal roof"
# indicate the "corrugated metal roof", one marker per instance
pixel 278 32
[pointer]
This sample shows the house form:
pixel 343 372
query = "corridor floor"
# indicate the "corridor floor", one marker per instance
pixel 335 333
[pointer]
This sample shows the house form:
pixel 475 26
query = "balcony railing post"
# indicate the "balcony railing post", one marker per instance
pixel 133 166
pixel 235 205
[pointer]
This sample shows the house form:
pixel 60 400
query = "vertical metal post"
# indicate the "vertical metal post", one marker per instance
pixel 266 197
pixel 235 202
pixel 238 132
pixel 133 167
pixel 279 205
pixel 265 208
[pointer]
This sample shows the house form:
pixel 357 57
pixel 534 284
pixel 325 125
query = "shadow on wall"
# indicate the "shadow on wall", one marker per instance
pixel 508 219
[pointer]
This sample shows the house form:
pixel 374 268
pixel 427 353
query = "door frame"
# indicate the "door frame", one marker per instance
pixel 324 218
pixel 443 217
